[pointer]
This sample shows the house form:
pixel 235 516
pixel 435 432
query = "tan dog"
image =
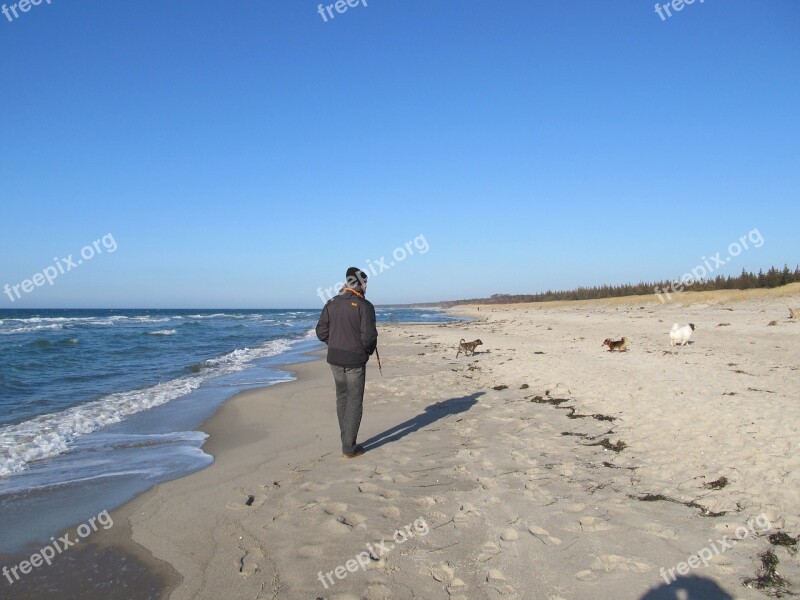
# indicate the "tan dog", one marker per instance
pixel 794 313
pixel 466 347
pixel 618 345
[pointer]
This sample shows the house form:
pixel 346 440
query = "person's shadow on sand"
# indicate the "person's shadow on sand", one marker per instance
pixel 432 413
pixel 692 587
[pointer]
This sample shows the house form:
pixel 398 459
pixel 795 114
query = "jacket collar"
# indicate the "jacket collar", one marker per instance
pixel 359 294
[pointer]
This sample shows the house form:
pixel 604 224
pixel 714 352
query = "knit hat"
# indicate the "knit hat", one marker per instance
pixel 355 277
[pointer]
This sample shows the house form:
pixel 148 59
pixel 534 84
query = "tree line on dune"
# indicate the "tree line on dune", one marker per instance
pixel 773 278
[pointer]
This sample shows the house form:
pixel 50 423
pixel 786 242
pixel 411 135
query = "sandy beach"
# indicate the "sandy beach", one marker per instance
pixel 524 205
pixel 543 466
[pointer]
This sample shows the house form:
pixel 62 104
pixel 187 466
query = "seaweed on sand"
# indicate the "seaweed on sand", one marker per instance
pixel 704 512
pixel 617 446
pixel 717 484
pixel 557 402
pixel 784 539
pixel 553 401
pixel 767 578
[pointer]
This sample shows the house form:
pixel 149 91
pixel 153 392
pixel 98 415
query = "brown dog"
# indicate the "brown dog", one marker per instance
pixel 466 347
pixel 618 345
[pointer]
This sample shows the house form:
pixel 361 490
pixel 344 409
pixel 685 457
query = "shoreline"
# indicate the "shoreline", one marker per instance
pixel 117 544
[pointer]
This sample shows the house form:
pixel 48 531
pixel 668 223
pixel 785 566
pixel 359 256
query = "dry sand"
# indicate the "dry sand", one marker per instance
pixel 515 494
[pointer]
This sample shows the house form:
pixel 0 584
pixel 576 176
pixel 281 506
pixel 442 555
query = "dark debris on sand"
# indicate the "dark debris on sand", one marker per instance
pixel 704 512
pixel 784 539
pixel 717 484
pixel 767 578
pixel 617 446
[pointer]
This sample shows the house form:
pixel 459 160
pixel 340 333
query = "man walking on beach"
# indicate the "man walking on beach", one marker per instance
pixel 347 326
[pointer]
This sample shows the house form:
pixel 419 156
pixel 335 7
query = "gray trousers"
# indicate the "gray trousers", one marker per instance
pixel 349 402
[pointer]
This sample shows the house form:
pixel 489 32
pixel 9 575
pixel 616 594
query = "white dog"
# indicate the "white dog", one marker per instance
pixel 680 335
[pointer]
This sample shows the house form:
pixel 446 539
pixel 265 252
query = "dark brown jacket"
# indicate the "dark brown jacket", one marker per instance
pixel 347 325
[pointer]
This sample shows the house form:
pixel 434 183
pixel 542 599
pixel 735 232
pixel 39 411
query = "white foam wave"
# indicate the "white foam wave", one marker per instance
pixel 38 323
pixel 49 435
pixel 28 329
pixel 240 359
pixel 162 332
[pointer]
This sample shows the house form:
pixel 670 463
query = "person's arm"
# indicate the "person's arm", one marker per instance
pixel 323 326
pixel 369 331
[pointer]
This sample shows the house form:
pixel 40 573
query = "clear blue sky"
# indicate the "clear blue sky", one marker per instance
pixel 245 153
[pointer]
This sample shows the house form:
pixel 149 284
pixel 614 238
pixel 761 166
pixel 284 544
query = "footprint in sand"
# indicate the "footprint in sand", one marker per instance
pixel 377 591
pixel 660 531
pixel 354 519
pixel 443 573
pixel 488 550
pixel 424 501
pixel 614 562
pixel 723 564
pixel 248 564
pixel 533 490
pixel 586 575
pixel 522 458
pixel 590 523
pixel 390 512
pixel 313 486
pixel 509 535
pixel 566 471
pixel 347 523
pixel 336 509
pixel 544 535
pixel 464 432
pixel 498 579
pixel 487 483
pixel 456 588
pixel 370 489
